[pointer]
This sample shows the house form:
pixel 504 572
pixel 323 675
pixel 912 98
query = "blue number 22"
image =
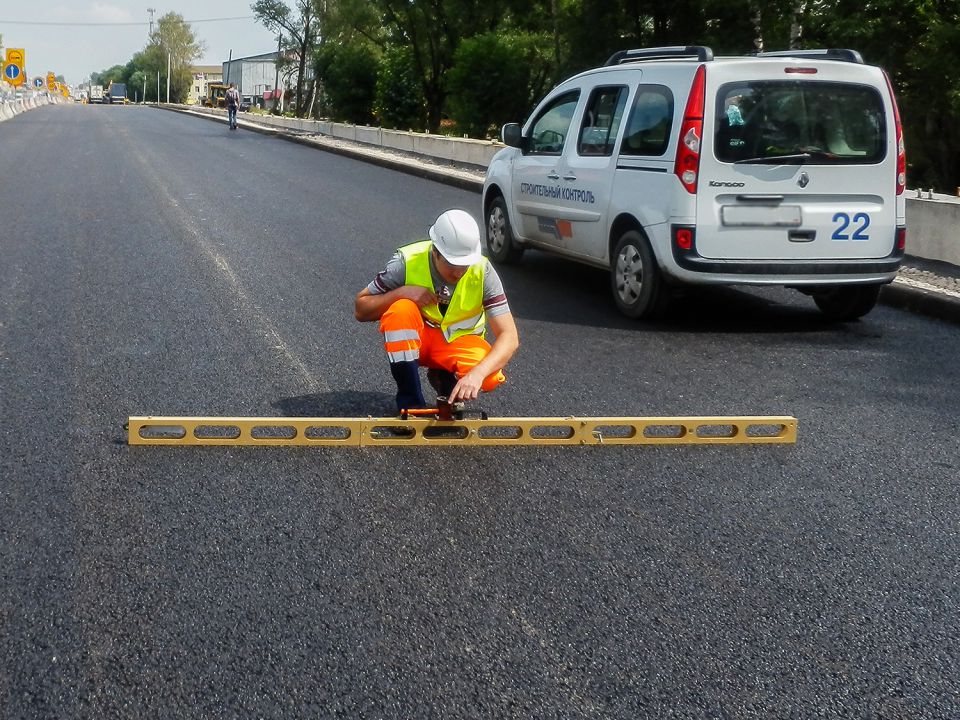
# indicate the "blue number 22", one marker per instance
pixel 843 222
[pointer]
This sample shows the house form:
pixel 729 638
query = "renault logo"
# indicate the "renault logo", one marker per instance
pixel 803 180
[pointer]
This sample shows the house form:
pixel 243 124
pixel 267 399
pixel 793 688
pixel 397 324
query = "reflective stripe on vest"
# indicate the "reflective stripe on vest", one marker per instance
pixel 464 314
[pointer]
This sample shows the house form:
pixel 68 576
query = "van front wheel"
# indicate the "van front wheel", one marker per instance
pixel 638 288
pixel 501 245
pixel 847 302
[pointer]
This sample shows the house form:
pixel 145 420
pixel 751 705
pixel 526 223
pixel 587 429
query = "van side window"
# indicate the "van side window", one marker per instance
pixel 550 129
pixel 601 121
pixel 651 117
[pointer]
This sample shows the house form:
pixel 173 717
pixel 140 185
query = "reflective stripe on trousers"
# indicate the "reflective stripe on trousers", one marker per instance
pixel 406 337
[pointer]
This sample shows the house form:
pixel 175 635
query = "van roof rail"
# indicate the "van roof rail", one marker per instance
pixel 842 54
pixel 700 52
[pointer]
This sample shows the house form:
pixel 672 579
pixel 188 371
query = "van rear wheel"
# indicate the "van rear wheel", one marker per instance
pixel 847 302
pixel 501 245
pixel 638 287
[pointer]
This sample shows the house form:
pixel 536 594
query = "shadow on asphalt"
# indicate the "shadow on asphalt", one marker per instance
pixel 549 289
pixel 338 403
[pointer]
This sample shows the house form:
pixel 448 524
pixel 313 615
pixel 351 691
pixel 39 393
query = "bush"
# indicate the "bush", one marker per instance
pixel 496 78
pixel 349 76
pixel 399 100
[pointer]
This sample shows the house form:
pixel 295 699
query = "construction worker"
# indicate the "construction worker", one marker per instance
pixel 433 300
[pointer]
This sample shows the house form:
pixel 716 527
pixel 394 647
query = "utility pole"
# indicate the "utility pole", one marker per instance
pixel 151 11
pixel 276 82
pixel 168 77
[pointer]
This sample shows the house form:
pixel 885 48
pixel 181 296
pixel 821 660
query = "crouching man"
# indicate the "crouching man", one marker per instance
pixel 434 300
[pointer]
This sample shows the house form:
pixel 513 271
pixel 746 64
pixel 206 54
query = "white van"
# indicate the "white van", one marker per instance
pixel 669 166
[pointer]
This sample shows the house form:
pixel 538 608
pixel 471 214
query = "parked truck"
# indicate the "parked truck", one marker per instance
pixel 96 94
pixel 117 95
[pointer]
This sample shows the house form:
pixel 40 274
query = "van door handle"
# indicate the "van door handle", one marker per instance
pixel 801 235
pixel 553 175
pixel 569 176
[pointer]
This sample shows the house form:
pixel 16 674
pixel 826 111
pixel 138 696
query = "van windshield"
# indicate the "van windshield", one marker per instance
pixel 804 121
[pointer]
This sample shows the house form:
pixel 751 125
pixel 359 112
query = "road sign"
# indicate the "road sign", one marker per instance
pixel 13 75
pixel 51 82
pixel 15 56
pixel 38 82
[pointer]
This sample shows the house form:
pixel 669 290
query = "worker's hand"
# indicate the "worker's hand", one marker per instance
pixel 467 387
pixel 420 295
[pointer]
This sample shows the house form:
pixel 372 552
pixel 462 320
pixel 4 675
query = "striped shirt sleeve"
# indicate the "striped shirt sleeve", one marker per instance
pixel 494 296
pixel 391 277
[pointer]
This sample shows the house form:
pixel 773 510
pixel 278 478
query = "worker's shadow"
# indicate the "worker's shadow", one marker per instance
pixel 338 403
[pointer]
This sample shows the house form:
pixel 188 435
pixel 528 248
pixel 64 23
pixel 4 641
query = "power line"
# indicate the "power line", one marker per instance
pixel 116 24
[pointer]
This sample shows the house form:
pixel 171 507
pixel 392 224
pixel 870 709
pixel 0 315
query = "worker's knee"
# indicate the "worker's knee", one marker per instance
pixel 404 314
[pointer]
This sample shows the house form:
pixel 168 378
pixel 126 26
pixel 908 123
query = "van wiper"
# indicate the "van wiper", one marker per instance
pixel 789 158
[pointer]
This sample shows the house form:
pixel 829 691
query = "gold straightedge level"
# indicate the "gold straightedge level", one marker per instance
pixel 368 432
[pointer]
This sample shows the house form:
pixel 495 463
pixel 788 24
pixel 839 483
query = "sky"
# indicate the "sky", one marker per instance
pixel 76 50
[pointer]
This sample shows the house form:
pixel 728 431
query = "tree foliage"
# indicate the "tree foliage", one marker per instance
pixel 298 29
pixel 171 40
pixel 349 76
pixel 399 101
pixel 494 76
pixel 483 64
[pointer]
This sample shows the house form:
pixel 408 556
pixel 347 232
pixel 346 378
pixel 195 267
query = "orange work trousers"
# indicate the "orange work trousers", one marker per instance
pixel 407 337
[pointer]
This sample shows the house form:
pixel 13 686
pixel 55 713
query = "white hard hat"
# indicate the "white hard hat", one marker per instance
pixel 456 236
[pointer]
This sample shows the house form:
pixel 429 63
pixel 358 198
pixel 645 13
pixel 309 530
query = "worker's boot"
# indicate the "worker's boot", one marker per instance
pixel 409 391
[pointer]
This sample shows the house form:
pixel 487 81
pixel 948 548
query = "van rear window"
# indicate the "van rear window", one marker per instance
pixel 811 122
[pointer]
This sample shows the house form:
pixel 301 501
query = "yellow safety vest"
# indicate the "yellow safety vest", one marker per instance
pixel 464 314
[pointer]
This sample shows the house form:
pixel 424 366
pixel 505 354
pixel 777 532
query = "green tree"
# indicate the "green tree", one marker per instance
pixel 349 76
pixel 399 101
pixel 918 43
pixel 299 28
pixel 172 40
pixel 432 30
pixel 496 78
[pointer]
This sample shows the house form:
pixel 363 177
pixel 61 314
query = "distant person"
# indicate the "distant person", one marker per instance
pixel 233 102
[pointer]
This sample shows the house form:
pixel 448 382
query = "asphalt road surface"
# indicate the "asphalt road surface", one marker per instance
pixel 152 263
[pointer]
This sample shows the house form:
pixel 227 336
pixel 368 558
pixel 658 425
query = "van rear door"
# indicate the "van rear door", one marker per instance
pixel 799 162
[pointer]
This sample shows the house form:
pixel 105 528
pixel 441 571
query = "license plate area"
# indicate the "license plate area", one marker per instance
pixel 760 215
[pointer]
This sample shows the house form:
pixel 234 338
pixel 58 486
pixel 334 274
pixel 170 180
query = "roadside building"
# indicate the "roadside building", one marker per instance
pixel 257 77
pixel 203 75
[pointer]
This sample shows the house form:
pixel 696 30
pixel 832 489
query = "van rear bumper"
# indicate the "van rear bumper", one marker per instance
pixel 692 267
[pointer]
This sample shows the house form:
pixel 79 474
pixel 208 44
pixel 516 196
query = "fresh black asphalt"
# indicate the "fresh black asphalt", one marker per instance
pixel 152 263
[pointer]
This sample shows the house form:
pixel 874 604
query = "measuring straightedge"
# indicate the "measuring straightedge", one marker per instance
pixel 420 431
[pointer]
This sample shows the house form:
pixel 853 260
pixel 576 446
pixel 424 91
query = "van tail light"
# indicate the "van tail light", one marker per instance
pixel 687 163
pixel 901 150
pixel 901 244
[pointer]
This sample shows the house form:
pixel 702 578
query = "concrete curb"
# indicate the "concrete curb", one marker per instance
pixel 921 302
pixel 400 164
pixel 897 294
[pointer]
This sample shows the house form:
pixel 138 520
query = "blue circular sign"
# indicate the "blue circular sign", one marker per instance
pixel 38 82
pixel 12 71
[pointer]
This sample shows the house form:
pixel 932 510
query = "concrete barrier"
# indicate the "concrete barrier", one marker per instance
pixel 12 107
pixel 933 226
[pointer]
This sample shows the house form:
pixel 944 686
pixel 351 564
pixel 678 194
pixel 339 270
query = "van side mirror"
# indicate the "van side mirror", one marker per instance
pixel 511 134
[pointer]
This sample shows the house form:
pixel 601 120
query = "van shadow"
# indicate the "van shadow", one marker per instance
pixel 338 403
pixel 550 289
